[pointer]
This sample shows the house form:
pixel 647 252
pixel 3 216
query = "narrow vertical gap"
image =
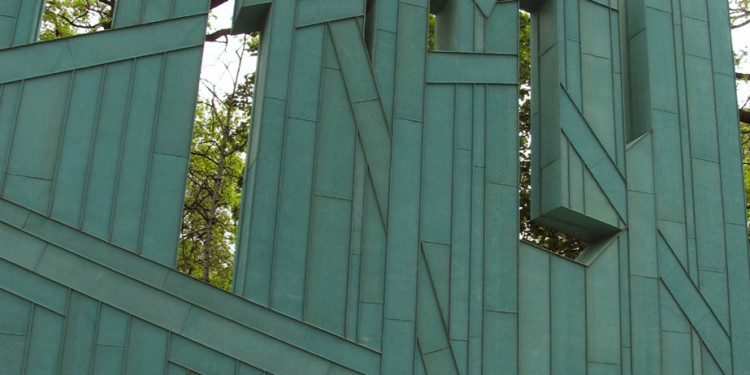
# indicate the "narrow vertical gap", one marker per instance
pixel 218 152
pixel 371 26
pixel 532 232
pixel 443 26
pixel 431 32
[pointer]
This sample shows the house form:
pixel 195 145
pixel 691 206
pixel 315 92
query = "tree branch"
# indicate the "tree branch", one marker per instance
pixel 212 37
pixel 738 25
pixel 742 76
pixel 744 115
pixel 72 23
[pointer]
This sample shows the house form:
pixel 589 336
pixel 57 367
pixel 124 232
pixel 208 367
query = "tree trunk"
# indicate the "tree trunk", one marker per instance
pixel 207 243
pixel 212 213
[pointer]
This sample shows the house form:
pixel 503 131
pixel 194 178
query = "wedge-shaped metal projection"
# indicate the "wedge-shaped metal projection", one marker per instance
pixel 379 223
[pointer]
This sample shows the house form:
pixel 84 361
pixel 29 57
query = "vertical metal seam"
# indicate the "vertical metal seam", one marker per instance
pixel 548 255
pixel 61 142
pixel 29 332
pixel 471 223
pixel 168 352
pixel 629 300
pixel 126 344
pixel 721 192
pixel 282 159
pixel 143 11
pixel 484 219
pixel 586 315
pixel 123 137
pixel 310 215
pixel 152 151
pixel 15 26
pixel 451 214
pixel 66 320
pixel 95 337
pixel 387 249
pixel 612 80
pixel 355 192
pixel 241 251
pixel 8 153
pixel 92 148
pixel 361 203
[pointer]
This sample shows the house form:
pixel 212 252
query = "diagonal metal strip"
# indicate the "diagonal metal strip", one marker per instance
pixel 585 142
pixel 695 308
pixel 69 251
pixel 486 6
pixel 432 334
pixel 369 116
pixel 84 51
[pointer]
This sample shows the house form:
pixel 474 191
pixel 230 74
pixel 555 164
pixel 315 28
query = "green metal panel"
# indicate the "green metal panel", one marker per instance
pixel 328 264
pixel 147 346
pixel 577 116
pixel 13 352
pixel 27 18
pixel 102 180
pixel 534 336
pixel 288 288
pixel 379 222
pixel 118 301
pixel 86 134
pixel 567 304
pixel 14 311
pixel 80 332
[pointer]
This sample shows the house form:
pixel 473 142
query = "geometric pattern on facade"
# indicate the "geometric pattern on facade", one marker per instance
pixel 379 224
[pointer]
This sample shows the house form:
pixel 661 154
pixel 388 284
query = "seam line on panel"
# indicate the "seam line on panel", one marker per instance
pixel 92 147
pixel 61 143
pixel 123 136
pixel 8 153
pixel 152 152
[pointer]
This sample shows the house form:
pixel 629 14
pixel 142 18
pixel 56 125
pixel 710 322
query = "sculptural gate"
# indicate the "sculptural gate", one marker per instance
pixel 379 224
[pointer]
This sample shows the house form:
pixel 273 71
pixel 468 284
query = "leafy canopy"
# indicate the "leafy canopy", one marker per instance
pixel 64 18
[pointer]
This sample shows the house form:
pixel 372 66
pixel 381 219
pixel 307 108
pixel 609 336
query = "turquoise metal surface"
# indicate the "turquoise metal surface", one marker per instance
pixel 379 229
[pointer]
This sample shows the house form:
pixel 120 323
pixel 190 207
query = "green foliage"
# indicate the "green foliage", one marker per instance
pixel 739 13
pixel 524 55
pixel 64 18
pixel 431 33
pixel 745 144
pixel 214 187
pixel 212 197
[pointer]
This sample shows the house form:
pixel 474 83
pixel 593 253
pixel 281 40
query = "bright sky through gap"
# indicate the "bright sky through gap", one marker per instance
pixel 219 60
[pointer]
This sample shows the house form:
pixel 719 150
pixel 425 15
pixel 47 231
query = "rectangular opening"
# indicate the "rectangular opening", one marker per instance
pixel 62 19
